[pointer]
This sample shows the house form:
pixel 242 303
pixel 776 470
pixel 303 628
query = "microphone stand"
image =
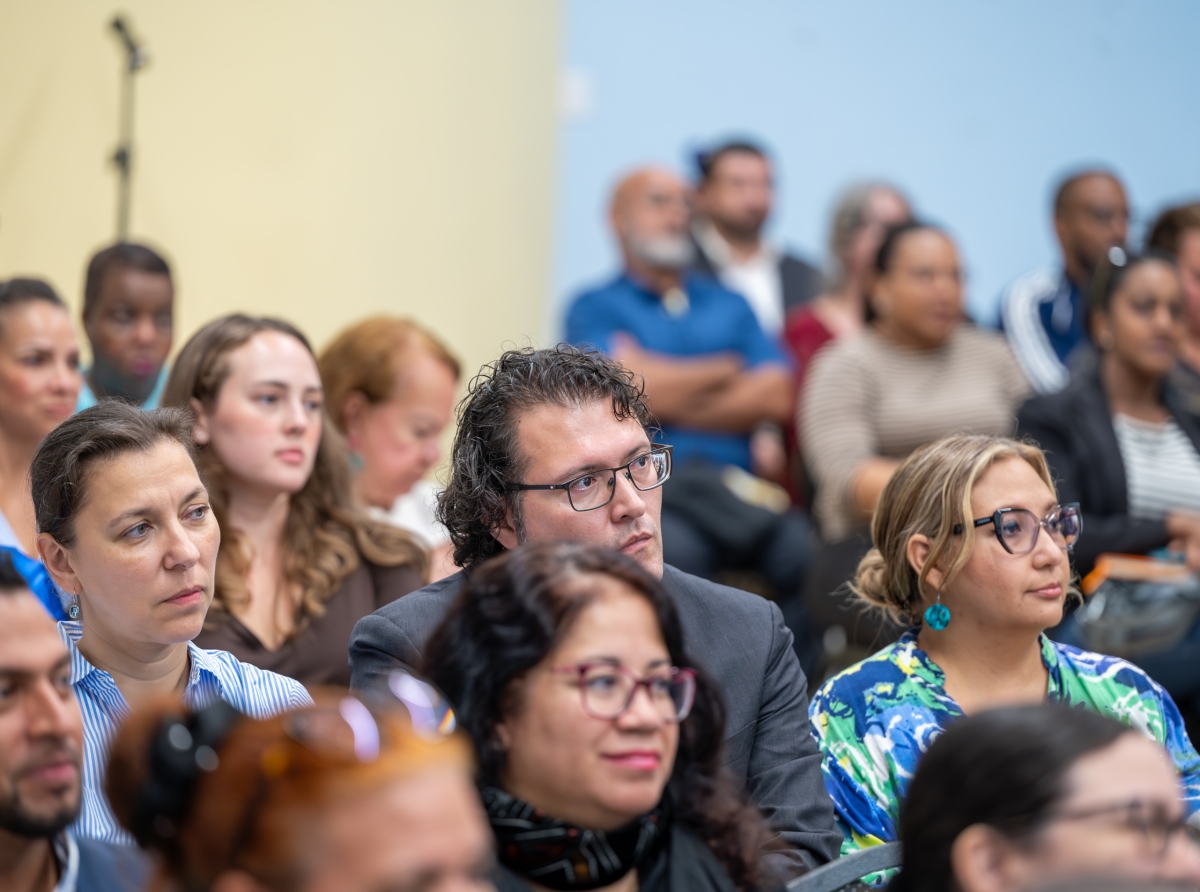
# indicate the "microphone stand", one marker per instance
pixel 135 58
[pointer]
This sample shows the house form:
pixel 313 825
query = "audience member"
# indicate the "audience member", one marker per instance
pixel 552 445
pixel 299 564
pixel 1177 233
pixel 129 319
pixel 918 372
pixel 733 200
pixel 719 385
pixel 959 557
pixel 390 388
pixel 41 755
pixel 1120 440
pixel 347 796
pixel 545 654
pixel 39 383
pixel 1063 795
pixel 1124 443
pixel 1043 312
pixel 862 216
pixel 125 528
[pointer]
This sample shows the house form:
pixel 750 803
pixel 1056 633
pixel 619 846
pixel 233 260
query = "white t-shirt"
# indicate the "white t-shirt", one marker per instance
pixel 414 511
pixel 757 279
pixel 1162 467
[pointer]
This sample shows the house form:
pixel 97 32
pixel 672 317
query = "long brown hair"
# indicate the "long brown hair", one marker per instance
pixel 325 532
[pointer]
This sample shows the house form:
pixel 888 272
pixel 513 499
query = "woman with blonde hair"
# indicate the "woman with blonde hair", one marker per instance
pixel 390 388
pixel 299 564
pixel 971 551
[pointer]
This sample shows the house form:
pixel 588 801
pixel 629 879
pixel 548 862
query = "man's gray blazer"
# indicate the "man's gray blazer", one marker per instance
pixel 737 637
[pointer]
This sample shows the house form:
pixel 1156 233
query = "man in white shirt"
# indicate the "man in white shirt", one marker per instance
pixel 733 200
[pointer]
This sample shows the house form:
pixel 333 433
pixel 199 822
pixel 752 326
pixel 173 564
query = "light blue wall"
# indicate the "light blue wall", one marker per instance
pixel 973 107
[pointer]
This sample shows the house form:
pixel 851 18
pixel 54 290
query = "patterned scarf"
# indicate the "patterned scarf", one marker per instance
pixel 564 857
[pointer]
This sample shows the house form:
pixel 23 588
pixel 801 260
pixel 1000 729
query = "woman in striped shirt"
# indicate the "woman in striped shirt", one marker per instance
pixel 126 531
pixel 1121 439
pixel 1124 442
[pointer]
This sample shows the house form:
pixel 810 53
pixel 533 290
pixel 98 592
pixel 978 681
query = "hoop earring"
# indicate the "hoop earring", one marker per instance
pixel 73 610
pixel 937 615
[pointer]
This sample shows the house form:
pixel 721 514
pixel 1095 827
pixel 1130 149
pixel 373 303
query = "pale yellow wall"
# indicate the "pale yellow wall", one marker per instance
pixel 317 160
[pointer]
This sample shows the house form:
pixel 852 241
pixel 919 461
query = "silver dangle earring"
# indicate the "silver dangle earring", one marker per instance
pixel 937 614
pixel 73 610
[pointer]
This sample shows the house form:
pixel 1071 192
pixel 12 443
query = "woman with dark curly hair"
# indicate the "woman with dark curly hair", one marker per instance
pixel 598 744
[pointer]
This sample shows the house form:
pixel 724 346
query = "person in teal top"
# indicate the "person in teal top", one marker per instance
pixel 129 319
pixel 971 550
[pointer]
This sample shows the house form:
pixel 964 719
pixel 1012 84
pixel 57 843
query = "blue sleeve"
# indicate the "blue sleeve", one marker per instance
pixel 1179 747
pixel 590 321
pixel 37 577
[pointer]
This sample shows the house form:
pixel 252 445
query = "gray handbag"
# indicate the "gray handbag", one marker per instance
pixel 1137 606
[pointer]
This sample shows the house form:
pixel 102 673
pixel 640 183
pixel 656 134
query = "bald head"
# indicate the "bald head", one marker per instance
pixel 649 215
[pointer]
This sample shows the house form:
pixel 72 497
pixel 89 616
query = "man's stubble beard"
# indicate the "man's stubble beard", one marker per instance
pixel 16 819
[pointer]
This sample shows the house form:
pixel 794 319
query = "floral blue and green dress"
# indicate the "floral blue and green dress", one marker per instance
pixel 874 721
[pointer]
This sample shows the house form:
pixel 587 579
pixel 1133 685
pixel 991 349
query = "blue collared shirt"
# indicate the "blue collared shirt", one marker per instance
pixel 715 320
pixel 213 674
pixel 87 399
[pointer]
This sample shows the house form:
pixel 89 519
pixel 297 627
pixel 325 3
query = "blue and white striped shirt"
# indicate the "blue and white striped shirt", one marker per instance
pixel 214 674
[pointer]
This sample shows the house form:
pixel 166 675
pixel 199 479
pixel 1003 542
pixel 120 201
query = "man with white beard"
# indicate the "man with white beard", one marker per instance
pixel 712 377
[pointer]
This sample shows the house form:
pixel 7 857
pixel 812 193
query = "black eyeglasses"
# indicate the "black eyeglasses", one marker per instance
pixel 1150 819
pixel 1017 529
pixel 595 489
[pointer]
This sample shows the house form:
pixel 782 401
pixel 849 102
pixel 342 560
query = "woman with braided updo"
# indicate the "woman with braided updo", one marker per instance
pixel 971 552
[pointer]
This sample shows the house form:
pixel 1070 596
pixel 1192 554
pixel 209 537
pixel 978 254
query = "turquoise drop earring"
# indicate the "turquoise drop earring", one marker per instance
pixel 937 615
pixel 73 610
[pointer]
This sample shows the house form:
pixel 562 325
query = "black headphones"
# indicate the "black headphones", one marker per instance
pixel 180 750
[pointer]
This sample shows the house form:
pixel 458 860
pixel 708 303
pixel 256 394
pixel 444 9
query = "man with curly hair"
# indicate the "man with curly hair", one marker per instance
pixel 555 445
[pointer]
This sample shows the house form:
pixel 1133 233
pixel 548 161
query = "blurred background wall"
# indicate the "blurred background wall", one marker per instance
pixel 312 159
pixel 974 108
pixel 452 160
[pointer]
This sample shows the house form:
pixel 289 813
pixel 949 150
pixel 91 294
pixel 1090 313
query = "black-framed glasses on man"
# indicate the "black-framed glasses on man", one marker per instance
pixel 595 489
pixel 1017 529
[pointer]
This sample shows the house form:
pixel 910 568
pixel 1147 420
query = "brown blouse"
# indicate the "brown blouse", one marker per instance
pixel 319 655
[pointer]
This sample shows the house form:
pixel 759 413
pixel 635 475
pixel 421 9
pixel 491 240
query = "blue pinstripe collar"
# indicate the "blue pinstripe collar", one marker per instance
pixel 201 667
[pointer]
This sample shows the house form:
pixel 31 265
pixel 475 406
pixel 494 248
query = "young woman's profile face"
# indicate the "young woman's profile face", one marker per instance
pixel 1146 318
pixel 145 549
pixel 39 369
pixel 598 773
pixel 265 424
pixel 1010 591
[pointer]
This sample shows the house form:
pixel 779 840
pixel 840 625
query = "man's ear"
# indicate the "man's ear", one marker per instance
pixel 58 563
pixel 917 552
pixel 505 532
pixel 200 432
pixel 982 860
pixel 353 412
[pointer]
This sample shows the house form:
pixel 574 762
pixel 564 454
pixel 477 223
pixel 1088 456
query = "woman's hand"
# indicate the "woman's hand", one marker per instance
pixel 1184 530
